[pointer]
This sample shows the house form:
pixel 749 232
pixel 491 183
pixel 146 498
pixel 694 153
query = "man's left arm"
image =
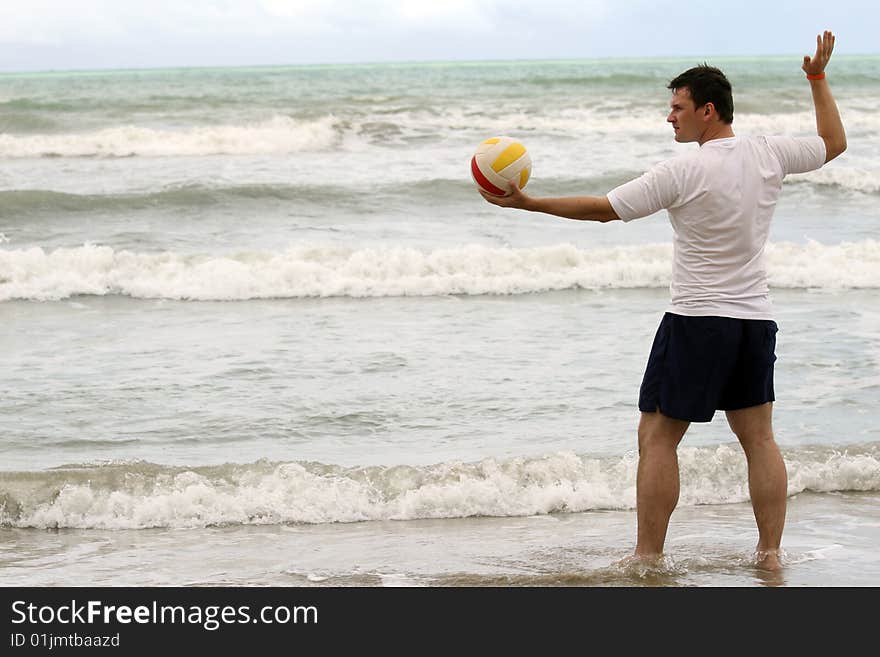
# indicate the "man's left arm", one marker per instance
pixel 581 208
pixel 829 126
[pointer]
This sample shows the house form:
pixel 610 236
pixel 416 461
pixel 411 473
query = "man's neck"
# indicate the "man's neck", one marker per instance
pixel 720 131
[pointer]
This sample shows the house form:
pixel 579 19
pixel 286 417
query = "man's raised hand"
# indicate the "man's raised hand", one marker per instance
pixel 824 47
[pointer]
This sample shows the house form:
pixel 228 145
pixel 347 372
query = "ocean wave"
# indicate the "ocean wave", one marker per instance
pixel 848 178
pixel 444 184
pixel 279 134
pixel 31 104
pixel 138 495
pixel 327 271
pixel 802 122
pixel 24 202
pixel 582 128
pixel 20 204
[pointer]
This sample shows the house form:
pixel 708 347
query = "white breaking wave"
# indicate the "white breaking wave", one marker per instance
pixel 279 134
pixel 315 271
pixel 142 495
pixel 856 179
pixel 618 143
pixel 802 123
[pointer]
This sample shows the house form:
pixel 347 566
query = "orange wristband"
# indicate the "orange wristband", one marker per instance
pixel 820 76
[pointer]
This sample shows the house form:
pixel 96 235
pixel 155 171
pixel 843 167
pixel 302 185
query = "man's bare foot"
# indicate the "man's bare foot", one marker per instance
pixel 642 564
pixel 768 559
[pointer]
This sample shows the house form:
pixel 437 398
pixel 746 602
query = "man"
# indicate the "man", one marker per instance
pixel 714 348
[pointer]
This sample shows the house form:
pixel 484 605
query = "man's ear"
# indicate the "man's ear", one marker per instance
pixel 708 109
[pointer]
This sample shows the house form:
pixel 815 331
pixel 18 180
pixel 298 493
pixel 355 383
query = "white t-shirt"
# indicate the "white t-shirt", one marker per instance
pixel 720 200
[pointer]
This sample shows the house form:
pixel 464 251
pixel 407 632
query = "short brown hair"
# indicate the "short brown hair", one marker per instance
pixel 707 84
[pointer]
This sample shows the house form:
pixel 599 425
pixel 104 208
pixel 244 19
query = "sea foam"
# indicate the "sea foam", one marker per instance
pixel 325 271
pixel 136 495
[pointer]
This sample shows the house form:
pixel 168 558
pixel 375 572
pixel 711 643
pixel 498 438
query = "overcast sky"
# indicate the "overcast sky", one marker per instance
pixel 90 34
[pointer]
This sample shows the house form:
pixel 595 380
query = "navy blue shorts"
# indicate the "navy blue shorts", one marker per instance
pixel 702 364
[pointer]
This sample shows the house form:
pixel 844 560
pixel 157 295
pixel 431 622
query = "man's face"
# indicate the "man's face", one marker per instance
pixel 685 117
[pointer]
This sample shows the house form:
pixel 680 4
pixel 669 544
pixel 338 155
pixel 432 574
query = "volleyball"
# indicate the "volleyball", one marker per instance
pixel 499 160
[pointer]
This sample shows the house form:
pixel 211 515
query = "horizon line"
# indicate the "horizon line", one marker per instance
pixel 414 62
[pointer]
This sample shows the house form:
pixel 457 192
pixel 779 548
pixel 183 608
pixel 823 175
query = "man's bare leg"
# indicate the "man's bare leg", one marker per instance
pixel 768 480
pixel 657 483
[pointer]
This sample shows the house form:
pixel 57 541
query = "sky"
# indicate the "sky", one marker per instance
pixel 38 35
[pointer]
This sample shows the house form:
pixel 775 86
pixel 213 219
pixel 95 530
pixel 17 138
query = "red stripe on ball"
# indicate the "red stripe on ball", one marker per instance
pixel 483 182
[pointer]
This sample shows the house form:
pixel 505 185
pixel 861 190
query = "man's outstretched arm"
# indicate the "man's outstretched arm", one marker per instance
pixel 828 123
pixel 582 208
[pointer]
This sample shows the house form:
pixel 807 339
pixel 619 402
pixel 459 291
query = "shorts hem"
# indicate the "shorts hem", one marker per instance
pixel 742 406
pixel 684 417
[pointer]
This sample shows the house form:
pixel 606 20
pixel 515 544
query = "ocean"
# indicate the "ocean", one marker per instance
pixel 259 328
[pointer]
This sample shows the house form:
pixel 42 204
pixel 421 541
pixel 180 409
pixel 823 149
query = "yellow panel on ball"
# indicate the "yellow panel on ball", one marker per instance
pixel 498 161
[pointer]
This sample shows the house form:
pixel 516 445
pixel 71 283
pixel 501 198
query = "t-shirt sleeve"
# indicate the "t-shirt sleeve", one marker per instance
pixel 651 192
pixel 798 154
